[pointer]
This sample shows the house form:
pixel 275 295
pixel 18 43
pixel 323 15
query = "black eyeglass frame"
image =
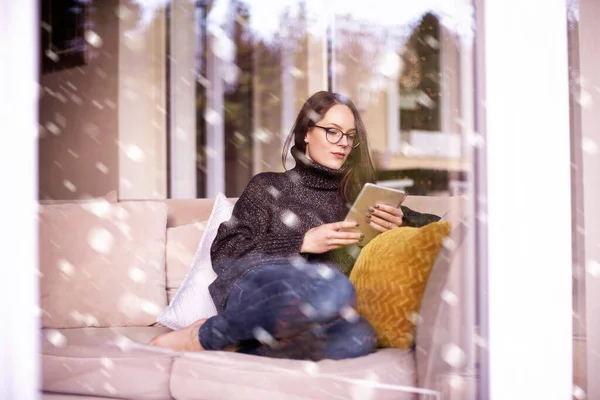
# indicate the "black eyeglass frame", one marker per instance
pixel 348 135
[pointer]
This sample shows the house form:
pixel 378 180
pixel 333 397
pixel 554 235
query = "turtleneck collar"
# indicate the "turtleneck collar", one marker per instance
pixel 311 174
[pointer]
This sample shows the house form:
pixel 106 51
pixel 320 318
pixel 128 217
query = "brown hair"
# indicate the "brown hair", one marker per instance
pixel 359 167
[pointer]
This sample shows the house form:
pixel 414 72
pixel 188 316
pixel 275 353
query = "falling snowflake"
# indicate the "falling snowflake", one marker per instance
pixel 579 393
pixel 181 134
pixel 101 73
pixel 263 336
pixel 86 319
pixel 311 368
pixel 60 119
pixel 134 152
pixel 52 55
pixel 415 318
pixel 123 12
pixel 449 244
pixel 290 219
pixel 274 192
pixel 353 250
pixel 585 99
pixel 314 116
pixel 102 168
pixel 295 177
pixel 475 139
pixel 453 355
pixel 390 65
pixel 53 128
pixel 593 268
pixel 296 73
pixel 589 146
pixel 137 275
pixel 123 342
pixel 125 183
pixel 308 310
pixel 362 391
pixel 129 304
pixel 56 338
pixel 100 208
pixel 107 363
pixel 212 117
pixel 100 239
pixel 449 297
pixel 150 308
pixel 66 267
pixel 76 99
pixel 70 186
pixel 349 314
pixel 456 382
pixel 298 262
pixel 109 388
pixel 92 38
pixel 325 272
pixel 263 135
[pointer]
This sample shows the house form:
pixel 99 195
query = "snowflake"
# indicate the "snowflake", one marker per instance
pixel 66 267
pixel 453 355
pixel 290 219
pixel 101 240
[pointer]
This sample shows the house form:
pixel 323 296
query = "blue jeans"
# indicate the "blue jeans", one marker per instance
pixel 291 311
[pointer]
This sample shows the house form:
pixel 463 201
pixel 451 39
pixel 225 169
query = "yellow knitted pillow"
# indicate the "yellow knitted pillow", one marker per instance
pixel 390 275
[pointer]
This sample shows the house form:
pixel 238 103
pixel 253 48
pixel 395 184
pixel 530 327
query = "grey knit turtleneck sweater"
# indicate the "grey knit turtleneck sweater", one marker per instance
pixel 270 219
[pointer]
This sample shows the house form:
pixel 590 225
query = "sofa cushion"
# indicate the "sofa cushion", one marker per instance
pixel 102 264
pixel 390 275
pixel 223 375
pixel 189 211
pixel 79 361
pixel 192 300
pixel 61 396
pixel 110 197
pixel 182 242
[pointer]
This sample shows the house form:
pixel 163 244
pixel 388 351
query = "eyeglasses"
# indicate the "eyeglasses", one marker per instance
pixel 334 136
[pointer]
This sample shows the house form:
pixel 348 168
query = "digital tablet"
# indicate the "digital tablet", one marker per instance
pixel 370 195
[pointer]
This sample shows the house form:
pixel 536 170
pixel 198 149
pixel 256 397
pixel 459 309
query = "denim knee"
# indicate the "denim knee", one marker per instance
pixel 352 340
pixel 335 293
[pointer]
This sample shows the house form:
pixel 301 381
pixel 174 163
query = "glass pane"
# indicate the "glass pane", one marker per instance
pixel 410 74
pixel 269 71
pixel 161 94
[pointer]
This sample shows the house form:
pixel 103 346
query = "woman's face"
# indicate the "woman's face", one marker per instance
pixel 319 149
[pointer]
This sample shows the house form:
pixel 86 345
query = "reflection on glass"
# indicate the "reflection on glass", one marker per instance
pixel 412 79
pixel 404 73
pixel 419 82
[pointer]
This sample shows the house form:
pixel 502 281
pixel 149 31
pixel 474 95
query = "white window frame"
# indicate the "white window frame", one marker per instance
pixel 183 29
pixel 19 336
pixel 525 208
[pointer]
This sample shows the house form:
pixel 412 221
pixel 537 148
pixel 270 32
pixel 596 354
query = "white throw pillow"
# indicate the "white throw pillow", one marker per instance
pixel 192 300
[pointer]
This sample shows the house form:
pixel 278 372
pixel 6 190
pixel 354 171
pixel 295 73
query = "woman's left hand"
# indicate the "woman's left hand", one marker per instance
pixel 384 218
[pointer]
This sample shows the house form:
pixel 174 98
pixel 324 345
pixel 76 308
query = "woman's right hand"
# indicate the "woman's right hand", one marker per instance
pixel 326 237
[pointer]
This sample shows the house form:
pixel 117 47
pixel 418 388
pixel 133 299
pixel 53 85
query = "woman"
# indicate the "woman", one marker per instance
pixel 283 258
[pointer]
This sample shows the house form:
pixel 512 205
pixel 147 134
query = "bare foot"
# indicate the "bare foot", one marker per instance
pixel 233 348
pixel 185 339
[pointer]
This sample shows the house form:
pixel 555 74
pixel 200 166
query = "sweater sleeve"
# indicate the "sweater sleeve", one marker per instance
pixel 248 231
